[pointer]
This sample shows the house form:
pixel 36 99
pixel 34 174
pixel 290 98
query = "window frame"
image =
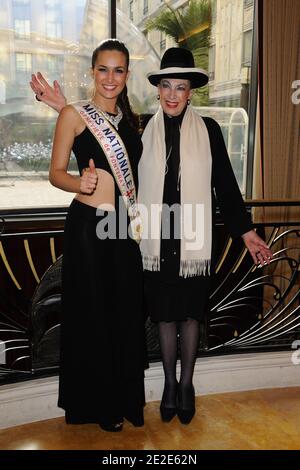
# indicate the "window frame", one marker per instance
pixel 112 27
pixel 252 105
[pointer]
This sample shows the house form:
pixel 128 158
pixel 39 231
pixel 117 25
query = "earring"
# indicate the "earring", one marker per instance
pixel 188 102
pixel 158 97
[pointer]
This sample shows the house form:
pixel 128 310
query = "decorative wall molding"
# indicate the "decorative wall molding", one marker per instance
pixel 36 400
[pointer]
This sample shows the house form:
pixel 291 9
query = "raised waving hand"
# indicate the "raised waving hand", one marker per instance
pixel 50 95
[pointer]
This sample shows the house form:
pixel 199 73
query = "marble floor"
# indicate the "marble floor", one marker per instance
pixel 259 419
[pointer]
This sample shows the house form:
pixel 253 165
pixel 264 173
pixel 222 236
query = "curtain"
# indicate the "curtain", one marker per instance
pixel 277 144
pixel 277 162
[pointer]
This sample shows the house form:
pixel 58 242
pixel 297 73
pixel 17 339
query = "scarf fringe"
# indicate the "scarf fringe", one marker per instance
pixel 194 267
pixel 188 268
pixel 151 263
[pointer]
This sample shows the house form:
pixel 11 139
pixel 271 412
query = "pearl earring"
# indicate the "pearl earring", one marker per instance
pixel 188 102
pixel 158 97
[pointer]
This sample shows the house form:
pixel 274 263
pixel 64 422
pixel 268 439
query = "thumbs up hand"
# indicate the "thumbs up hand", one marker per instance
pixel 89 179
pixel 92 166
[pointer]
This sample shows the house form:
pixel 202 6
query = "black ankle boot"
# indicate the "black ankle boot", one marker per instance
pixel 77 418
pixel 186 408
pixel 111 427
pixel 185 416
pixel 136 421
pixel 168 412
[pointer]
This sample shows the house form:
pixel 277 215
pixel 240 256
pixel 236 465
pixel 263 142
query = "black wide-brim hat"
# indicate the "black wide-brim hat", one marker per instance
pixel 179 63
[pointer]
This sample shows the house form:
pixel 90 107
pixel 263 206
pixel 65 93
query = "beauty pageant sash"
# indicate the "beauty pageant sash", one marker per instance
pixel 117 157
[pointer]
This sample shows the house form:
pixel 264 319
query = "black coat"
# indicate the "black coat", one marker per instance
pixel 168 296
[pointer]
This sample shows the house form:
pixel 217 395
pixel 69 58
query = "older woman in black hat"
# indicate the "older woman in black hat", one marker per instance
pixel 183 165
pixel 184 168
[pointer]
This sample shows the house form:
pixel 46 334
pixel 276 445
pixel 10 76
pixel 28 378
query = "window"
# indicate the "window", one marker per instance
pixel 59 41
pixel 23 72
pixel 21 15
pixel 53 22
pixel 53 30
pixel 247 48
pixel 211 62
pixel 23 62
pixel 52 3
pixel 60 36
pixel 220 37
pixel 145 9
pixel 22 29
pixel 131 10
pixel 21 2
pixel 54 64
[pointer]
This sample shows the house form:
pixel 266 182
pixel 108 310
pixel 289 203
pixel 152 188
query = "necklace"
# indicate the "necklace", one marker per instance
pixel 114 120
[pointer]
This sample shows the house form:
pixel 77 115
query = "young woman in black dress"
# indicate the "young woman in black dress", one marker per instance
pixel 102 332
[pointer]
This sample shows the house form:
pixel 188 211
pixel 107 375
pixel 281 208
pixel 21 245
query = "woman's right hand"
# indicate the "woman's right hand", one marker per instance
pixel 89 179
pixel 52 96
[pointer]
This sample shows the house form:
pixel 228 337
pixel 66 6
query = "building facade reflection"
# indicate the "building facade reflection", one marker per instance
pixel 57 38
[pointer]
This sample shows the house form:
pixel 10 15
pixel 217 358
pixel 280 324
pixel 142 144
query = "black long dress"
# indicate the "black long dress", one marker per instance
pixel 102 329
pixel 169 297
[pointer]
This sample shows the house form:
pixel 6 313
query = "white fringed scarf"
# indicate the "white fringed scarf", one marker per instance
pixel 195 167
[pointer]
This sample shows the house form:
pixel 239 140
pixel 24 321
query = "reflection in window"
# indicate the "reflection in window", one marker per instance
pixel 219 33
pixel 53 30
pixel 23 62
pixel 52 3
pixel 53 21
pixel 247 48
pixel 54 64
pixel 21 2
pixel 131 10
pixel 63 34
pixel 162 43
pixel 21 15
pixel 22 29
pixel 211 62
pixel 145 9
pixel 2 92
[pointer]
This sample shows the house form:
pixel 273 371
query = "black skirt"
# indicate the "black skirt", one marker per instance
pixel 102 328
pixel 169 297
pixel 178 301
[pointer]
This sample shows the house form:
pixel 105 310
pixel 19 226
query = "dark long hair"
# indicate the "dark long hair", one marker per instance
pixel 122 101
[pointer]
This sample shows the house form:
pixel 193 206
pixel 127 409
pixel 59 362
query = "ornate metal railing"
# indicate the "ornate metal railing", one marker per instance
pixel 252 308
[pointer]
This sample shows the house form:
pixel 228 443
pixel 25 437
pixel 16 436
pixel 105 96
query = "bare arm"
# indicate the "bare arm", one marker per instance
pixel 67 126
pixel 52 96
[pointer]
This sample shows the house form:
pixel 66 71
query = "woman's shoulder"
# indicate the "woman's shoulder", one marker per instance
pixel 214 130
pixel 68 111
pixel 69 118
pixel 211 123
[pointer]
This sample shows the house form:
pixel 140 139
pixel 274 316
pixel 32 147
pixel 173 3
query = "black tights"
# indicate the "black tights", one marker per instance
pixel 189 339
